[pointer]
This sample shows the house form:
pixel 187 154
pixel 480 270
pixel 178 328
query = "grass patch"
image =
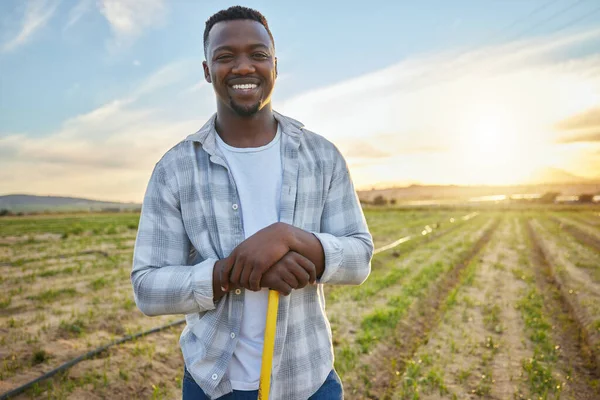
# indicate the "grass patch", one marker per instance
pixel 376 324
pixel 538 368
pixel 39 356
pixel 74 328
pixel 5 301
pixel 491 318
pixel 52 295
pixel 99 283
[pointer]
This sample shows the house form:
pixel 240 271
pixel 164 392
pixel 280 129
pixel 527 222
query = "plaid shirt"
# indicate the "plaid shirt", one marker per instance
pixel 191 218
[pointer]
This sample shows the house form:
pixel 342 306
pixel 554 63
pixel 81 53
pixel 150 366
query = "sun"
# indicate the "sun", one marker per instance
pixel 492 147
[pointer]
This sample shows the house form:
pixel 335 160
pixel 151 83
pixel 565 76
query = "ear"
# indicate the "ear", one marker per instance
pixel 207 77
pixel 276 73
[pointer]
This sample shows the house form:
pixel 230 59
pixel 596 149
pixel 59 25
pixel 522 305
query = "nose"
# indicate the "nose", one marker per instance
pixel 243 66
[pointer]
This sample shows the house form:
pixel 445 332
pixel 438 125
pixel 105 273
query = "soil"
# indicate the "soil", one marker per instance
pixel 388 360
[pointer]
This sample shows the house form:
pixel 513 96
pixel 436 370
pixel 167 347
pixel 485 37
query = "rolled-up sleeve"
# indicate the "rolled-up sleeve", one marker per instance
pixel 346 241
pixel 163 282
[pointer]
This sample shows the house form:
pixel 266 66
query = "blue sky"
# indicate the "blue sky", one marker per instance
pixel 93 92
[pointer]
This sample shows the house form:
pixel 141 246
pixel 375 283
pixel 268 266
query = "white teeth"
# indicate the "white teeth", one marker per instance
pixel 246 86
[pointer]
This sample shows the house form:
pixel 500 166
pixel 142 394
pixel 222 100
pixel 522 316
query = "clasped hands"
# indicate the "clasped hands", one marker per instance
pixel 266 260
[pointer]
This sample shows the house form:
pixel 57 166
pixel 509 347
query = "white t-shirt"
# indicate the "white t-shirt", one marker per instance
pixel 257 172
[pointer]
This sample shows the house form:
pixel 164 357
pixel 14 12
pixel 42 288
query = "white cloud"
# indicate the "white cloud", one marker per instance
pixel 419 120
pixel 198 86
pixel 128 19
pixel 107 153
pixel 166 76
pixel 482 101
pixel 37 14
pixel 78 11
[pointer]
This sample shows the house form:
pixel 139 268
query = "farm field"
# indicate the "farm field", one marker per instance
pixel 488 304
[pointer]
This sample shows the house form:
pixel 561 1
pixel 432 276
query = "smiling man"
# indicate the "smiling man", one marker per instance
pixel 252 201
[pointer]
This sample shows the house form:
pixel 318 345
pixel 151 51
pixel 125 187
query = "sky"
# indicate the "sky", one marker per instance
pixel 94 92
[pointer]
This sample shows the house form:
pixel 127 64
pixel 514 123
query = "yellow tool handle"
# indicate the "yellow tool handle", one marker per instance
pixel 269 346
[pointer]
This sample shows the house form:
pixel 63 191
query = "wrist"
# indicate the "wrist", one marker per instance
pixel 289 235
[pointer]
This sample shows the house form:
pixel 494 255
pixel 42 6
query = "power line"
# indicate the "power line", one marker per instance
pixel 529 29
pixel 550 18
pixel 581 18
pixel 523 18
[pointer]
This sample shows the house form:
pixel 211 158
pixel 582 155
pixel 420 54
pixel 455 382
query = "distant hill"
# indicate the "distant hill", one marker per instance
pixel 31 203
pixel 434 194
pixel 550 175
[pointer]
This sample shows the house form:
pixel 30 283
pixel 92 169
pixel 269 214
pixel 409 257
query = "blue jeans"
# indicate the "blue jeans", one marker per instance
pixel 330 390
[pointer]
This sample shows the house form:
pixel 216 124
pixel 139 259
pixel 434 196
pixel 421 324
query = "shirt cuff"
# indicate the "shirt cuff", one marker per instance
pixel 334 254
pixel 202 284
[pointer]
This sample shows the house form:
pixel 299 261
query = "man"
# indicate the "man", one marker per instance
pixel 250 202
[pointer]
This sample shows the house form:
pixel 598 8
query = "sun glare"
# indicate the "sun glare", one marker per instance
pixel 492 147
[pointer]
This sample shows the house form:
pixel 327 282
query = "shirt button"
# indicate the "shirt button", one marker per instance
pixel 214 377
pixel 238 291
pixel 234 206
pixel 232 335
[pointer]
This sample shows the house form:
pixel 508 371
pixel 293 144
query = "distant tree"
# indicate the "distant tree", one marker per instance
pixel 379 200
pixel 392 201
pixel 548 197
pixel 4 212
pixel 585 198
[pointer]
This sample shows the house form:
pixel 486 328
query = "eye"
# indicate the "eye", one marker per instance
pixel 260 56
pixel 224 57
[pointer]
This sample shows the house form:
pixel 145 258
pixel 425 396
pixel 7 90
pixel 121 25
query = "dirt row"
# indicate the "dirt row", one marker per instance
pixel 107 376
pixel 578 293
pixel 495 323
pixel 498 329
pixel 352 304
pixel 382 366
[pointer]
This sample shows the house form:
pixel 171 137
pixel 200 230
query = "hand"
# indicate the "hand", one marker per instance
pixel 293 271
pixel 248 262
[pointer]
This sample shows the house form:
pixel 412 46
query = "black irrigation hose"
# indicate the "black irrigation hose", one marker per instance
pixel 85 356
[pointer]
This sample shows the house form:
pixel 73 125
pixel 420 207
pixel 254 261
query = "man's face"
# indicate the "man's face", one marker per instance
pixel 241 65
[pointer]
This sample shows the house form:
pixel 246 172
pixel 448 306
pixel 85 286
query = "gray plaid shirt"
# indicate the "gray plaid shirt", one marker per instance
pixel 191 218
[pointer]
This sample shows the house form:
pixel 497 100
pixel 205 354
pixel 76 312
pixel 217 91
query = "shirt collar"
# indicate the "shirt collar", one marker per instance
pixel 206 136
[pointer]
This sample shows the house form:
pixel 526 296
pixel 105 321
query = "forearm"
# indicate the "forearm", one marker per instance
pixel 347 258
pixel 175 289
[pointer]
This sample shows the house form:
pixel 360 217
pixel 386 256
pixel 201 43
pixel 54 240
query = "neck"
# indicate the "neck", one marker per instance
pixel 253 131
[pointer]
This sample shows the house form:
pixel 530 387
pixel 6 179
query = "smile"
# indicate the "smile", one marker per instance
pixel 245 87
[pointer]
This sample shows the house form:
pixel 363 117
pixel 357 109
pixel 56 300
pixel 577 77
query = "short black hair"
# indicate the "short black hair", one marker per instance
pixel 234 13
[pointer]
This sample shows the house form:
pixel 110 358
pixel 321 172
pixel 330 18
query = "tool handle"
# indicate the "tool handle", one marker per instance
pixel 269 346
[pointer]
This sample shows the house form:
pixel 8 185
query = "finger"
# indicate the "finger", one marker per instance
pixel 224 273
pixel 236 272
pixel 307 265
pixel 283 288
pixel 302 276
pixel 289 278
pixel 245 278
pixel 255 276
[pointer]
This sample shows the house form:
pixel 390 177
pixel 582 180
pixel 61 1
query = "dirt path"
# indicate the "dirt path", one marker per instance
pixel 588 234
pixel 568 329
pixel 581 293
pixel 381 369
pixel 494 341
pixel 477 349
pixel 347 311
